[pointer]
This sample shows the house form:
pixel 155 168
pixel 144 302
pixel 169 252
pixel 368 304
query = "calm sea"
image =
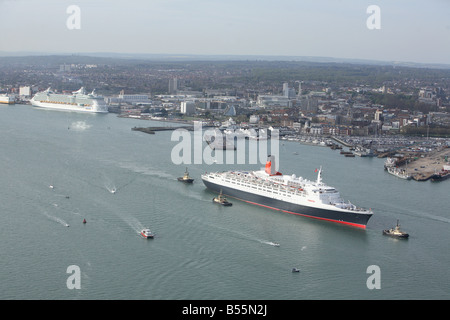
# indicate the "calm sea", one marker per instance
pixel 200 250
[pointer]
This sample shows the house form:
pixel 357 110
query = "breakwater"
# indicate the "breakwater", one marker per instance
pixel 153 130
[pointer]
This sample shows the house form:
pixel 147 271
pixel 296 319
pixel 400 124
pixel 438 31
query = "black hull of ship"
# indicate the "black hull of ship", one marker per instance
pixel 354 219
pixel 437 177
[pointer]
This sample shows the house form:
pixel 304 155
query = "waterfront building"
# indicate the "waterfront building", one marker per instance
pixel 25 91
pixel 187 107
pixel 134 98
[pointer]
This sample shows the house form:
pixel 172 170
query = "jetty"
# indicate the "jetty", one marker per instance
pixel 146 130
pixel 153 130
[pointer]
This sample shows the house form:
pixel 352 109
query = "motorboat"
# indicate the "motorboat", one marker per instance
pixel 147 233
pixel 220 199
pixel 186 178
pixel 396 232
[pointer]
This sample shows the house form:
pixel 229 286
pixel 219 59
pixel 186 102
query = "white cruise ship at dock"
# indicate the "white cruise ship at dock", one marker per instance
pixel 288 193
pixel 79 101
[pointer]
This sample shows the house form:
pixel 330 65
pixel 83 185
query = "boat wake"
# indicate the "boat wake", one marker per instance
pixel 150 171
pixel 436 218
pixel 56 219
pixel 244 236
pixel 270 243
pixel 113 188
pixel 134 224
pixel 413 213
pixel 79 126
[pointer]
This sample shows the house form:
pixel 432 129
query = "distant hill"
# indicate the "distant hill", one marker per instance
pixel 79 57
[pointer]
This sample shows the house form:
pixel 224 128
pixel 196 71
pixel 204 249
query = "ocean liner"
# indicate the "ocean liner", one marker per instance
pixel 79 101
pixel 288 193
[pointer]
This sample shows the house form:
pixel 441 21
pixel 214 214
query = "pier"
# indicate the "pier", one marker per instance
pixel 341 142
pixel 146 130
pixel 153 130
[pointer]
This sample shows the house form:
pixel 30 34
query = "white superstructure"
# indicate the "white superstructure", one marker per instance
pixel 288 193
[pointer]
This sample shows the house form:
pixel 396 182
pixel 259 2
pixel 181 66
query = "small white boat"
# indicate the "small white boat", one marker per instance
pixel 146 233
pixel 275 244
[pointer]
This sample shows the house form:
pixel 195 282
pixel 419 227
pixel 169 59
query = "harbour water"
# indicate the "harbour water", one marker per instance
pixel 201 251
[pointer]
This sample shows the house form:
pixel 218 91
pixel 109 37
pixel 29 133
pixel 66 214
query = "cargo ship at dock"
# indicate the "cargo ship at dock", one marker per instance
pixel 79 101
pixel 288 193
pixel 442 175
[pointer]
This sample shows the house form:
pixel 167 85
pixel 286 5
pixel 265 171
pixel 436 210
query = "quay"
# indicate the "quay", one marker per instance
pixel 341 142
pixel 424 168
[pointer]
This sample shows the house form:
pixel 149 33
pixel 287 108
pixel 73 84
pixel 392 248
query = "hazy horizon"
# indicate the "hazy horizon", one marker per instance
pixel 410 31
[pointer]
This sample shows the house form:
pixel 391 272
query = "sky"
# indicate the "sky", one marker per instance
pixel 409 30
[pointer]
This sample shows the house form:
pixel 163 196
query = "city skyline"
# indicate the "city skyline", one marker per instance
pixel 410 31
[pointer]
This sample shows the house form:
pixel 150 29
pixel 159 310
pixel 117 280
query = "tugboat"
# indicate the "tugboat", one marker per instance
pixel 146 233
pixel 396 232
pixel 220 199
pixel 186 178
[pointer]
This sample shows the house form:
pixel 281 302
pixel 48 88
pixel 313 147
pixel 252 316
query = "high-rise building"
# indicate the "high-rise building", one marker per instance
pixel 286 89
pixel 288 92
pixel 173 86
pixel 299 95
